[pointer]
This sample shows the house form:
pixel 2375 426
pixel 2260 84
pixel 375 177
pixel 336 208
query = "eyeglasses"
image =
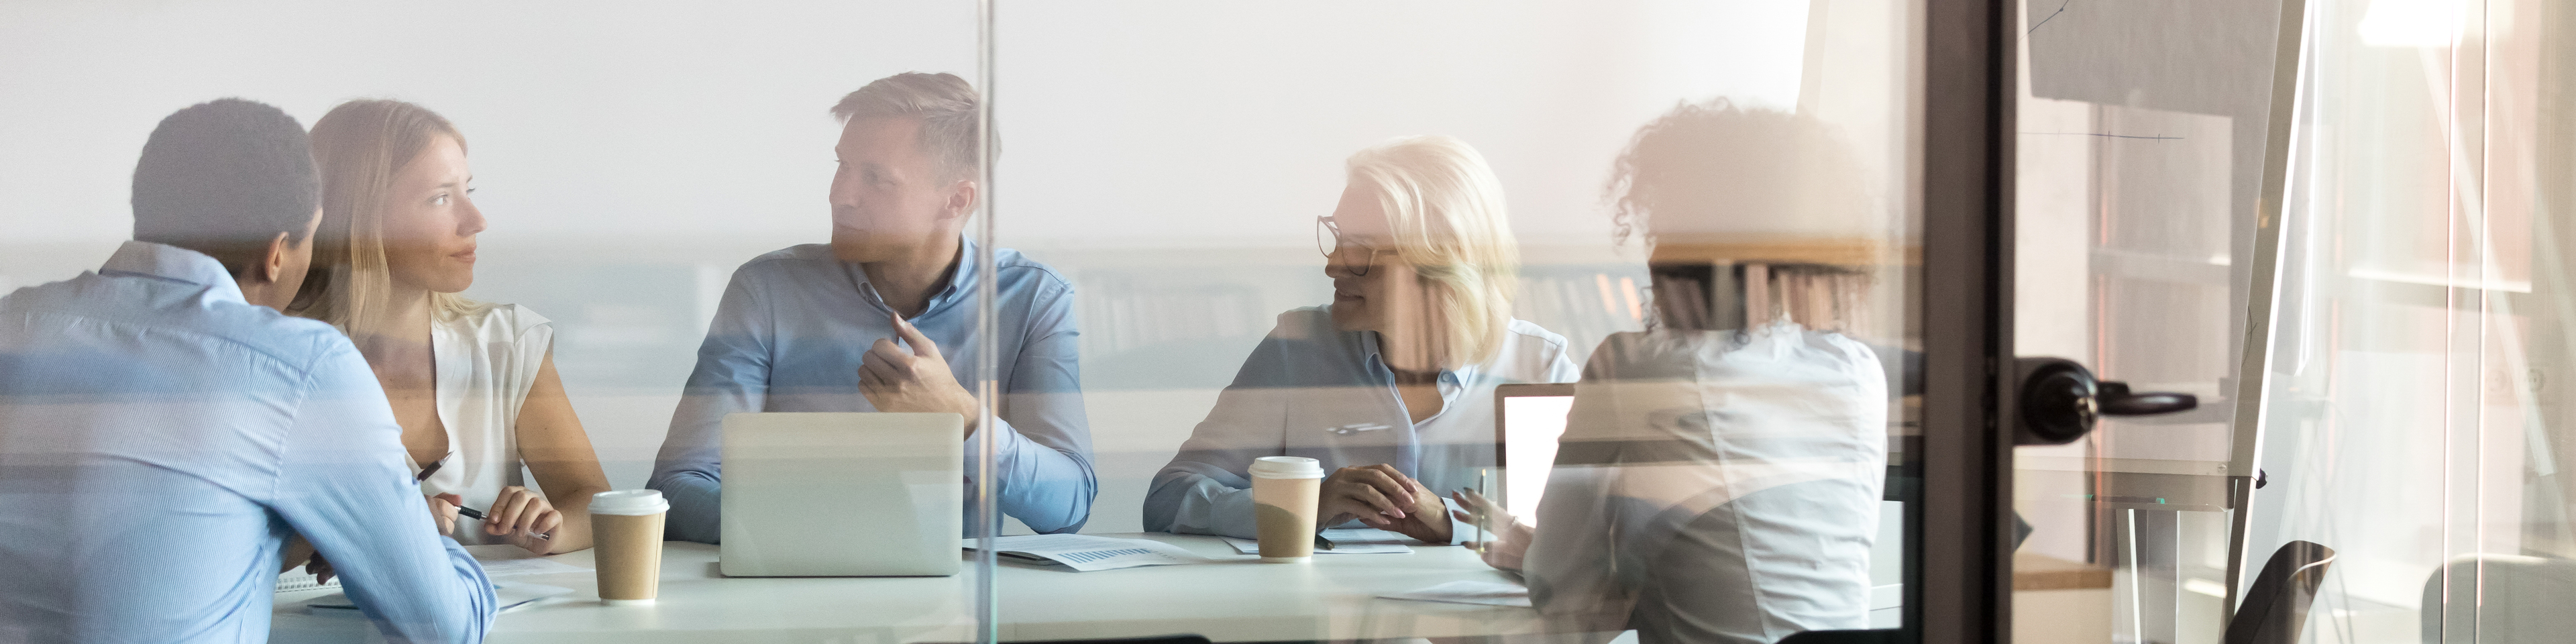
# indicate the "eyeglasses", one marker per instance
pixel 1329 239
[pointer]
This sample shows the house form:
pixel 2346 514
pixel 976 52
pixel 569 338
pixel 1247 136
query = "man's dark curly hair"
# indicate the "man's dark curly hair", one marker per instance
pixel 1714 165
pixel 223 178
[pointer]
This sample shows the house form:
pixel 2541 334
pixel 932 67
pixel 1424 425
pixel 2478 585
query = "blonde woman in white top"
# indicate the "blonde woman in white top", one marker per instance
pixel 473 384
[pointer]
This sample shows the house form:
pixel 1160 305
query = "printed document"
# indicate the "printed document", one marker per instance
pixel 1087 553
pixel 1346 541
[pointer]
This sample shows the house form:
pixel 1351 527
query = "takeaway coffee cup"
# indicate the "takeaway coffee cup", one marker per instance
pixel 626 531
pixel 1284 490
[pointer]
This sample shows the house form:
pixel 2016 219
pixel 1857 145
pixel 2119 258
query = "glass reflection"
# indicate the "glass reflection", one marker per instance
pixel 739 370
pixel 1720 474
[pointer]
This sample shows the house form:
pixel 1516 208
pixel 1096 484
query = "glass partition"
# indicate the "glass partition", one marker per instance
pixel 2143 140
pixel 2413 425
pixel 630 164
pixel 1635 273
pixel 2399 480
pixel 1325 321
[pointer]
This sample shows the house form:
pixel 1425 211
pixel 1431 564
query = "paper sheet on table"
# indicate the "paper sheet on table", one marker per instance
pixel 507 560
pixel 1087 553
pixel 509 596
pixel 1346 541
pixel 1487 593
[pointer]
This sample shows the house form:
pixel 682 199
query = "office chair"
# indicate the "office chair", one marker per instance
pixel 2501 598
pixel 2277 606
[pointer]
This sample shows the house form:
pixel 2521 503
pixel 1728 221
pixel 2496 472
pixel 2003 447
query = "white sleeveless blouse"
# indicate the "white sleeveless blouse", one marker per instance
pixel 488 357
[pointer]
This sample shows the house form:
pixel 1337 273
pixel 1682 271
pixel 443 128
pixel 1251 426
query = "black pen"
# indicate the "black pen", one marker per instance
pixel 477 515
pixel 432 468
pixel 472 513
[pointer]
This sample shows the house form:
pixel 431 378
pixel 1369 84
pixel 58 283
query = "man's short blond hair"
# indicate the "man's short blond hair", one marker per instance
pixel 947 106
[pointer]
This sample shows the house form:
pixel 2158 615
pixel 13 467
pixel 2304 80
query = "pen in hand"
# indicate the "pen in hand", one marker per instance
pixel 477 515
pixel 467 512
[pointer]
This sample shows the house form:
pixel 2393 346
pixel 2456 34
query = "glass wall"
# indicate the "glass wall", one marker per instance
pixel 1325 321
pixel 2401 476
pixel 1374 235
pixel 2422 325
pixel 625 160
pixel 2142 143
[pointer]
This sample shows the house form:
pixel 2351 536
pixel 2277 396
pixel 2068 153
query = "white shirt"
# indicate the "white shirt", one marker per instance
pixel 1716 487
pixel 488 357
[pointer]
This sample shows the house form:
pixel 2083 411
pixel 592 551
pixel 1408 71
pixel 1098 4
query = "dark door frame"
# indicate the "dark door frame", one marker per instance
pixel 1958 586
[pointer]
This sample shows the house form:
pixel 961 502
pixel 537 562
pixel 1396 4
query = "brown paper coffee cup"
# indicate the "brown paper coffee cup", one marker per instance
pixel 1284 494
pixel 626 532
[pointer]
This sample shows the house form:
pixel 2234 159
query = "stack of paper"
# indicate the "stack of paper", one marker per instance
pixel 1086 553
pixel 1346 541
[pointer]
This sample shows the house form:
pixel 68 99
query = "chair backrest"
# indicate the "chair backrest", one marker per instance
pixel 2276 607
pixel 2500 598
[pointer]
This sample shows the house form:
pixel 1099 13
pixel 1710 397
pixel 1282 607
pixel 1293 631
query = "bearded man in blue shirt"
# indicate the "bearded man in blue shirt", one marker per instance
pixel 165 432
pixel 883 319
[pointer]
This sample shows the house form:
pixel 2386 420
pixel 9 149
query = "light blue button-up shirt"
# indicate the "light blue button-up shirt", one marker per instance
pixel 1314 391
pixel 788 337
pixel 160 438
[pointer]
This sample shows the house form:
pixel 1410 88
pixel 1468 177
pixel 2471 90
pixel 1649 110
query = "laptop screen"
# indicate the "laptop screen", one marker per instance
pixel 1527 422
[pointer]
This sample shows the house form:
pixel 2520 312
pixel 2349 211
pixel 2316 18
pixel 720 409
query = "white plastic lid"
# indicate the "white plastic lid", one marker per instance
pixel 1287 467
pixel 629 503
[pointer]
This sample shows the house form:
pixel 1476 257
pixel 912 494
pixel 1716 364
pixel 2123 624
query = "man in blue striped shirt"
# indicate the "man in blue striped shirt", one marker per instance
pixel 884 319
pixel 164 430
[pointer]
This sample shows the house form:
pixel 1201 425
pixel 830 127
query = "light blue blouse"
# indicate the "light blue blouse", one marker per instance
pixel 1311 390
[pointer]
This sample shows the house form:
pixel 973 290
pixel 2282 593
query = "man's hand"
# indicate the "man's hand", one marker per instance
pixel 442 510
pixel 296 553
pixel 1510 546
pixel 1382 497
pixel 300 553
pixel 918 380
pixel 523 515
pixel 321 569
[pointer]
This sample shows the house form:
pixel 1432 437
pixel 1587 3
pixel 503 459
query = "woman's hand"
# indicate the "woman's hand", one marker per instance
pixel 1374 494
pixel 442 511
pixel 1383 498
pixel 1511 537
pixel 522 515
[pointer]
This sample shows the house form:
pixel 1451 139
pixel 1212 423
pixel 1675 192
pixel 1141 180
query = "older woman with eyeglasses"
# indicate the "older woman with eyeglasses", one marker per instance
pixel 1393 382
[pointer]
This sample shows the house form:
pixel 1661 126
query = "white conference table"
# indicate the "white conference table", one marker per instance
pixel 1235 598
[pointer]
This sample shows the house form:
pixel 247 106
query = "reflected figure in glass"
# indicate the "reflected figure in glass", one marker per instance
pixel 1719 479
pixel 1391 386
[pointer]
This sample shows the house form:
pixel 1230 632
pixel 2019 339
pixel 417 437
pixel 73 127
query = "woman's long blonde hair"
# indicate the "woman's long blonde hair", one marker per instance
pixel 359 148
pixel 1445 208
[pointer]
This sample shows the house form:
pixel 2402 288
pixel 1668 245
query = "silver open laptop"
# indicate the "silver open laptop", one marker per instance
pixel 842 494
